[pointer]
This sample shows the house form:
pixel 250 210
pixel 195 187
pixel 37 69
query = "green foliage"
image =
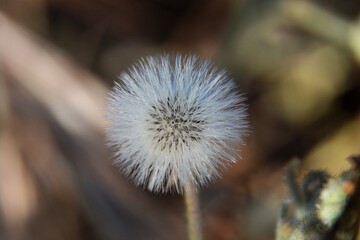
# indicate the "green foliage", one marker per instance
pixel 320 206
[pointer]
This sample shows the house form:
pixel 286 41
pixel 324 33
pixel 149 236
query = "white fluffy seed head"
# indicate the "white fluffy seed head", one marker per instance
pixel 175 122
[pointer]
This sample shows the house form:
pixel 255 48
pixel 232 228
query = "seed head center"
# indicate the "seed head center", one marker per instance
pixel 175 125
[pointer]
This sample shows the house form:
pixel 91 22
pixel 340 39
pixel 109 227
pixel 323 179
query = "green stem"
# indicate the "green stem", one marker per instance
pixel 193 214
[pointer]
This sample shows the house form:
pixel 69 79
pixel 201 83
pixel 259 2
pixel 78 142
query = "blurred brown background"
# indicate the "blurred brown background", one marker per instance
pixel 298 65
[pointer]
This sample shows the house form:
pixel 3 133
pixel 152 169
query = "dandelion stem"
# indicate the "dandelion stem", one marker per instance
pixel 193 214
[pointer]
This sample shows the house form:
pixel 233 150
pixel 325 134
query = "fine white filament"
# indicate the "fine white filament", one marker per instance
pixel 174 122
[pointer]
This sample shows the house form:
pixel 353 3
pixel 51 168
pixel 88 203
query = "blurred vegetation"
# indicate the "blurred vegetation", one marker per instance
pixel 296 61
pixel 321 206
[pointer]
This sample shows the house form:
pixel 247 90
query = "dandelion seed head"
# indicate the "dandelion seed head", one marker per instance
pixel 175 122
